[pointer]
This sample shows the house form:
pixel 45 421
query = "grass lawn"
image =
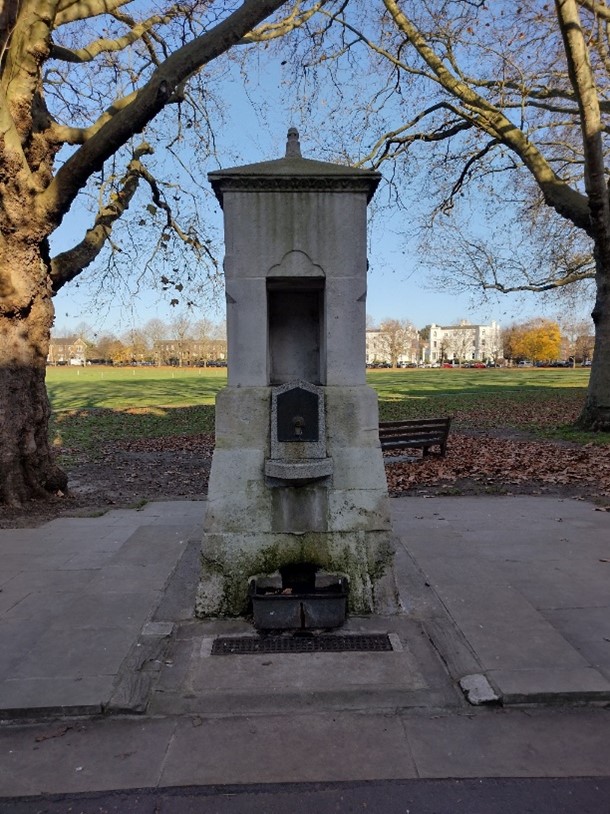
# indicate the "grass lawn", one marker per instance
pixel 92 405
pixel 123 388
pixel 540 400
pixel 96 404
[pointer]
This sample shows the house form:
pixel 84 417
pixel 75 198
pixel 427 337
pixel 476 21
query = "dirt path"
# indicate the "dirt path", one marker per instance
pixel 128 473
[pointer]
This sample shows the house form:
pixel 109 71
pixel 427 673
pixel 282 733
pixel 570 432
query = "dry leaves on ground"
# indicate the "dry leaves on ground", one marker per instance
pixel 504 463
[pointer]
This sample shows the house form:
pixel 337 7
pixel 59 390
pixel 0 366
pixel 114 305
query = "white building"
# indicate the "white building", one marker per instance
pixel 464 343
pixel 402 344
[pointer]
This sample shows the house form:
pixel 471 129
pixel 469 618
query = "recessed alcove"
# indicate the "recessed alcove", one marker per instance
pixel 295 309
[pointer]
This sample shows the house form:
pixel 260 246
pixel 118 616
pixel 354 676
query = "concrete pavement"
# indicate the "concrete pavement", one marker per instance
pixel 75 597
pixel 526 581
pixel 96 621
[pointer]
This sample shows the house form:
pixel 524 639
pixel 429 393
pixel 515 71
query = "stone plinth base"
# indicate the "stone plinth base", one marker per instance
pixel 229 560
pixel 255 524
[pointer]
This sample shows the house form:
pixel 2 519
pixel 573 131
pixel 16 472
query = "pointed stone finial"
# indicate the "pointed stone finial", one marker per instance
pixel 293 145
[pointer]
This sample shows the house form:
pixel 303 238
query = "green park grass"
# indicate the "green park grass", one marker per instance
pixel 94 405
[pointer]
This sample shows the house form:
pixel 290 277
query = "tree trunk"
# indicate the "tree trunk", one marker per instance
pixel 27 467
pixel 596 412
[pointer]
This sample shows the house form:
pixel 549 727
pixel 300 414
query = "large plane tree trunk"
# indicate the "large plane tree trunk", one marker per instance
pixel 27 467
pixel 596 412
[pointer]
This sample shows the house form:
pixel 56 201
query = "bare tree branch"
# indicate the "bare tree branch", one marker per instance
pixel 490 119
pixel 550 285
pixel 465 173
pixel 271 31
pixel 600 10
pixel 395 136
pixel 132 113
pixel 68 265
pixel 138 30
pixel 69 11
pixel 170 222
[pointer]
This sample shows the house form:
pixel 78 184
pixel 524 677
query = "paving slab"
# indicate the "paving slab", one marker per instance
pixel 523 580
pixel 511 743
pixel 79 593
pixel 191 680
pixel 265 749
pixel 83 755
pixel 587 630
pixel 119 753
pixel 550 686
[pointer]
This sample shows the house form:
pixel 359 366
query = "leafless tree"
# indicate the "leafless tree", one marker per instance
pixel 87 87
pixel 397 338
pixel 501 104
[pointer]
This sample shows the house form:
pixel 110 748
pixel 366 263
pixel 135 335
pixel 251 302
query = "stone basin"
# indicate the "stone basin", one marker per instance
pixel 277 606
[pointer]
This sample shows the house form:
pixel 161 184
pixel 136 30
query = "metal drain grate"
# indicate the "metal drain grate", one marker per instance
pixel 248 645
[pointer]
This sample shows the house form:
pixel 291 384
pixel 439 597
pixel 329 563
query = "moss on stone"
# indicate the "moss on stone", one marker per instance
pixel 353 554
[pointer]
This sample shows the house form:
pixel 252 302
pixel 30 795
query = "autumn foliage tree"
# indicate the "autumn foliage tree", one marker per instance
pixel 81 83
pixel 537 340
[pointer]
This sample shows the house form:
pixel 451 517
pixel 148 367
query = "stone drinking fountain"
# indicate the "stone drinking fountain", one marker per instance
pixel 297 525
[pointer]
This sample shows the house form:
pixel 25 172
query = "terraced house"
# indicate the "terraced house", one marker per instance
pixel 69 350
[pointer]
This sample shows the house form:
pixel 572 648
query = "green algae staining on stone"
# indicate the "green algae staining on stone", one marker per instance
pixel 364 561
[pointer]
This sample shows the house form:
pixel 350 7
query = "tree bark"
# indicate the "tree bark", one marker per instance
pixel 596 412
pixel 27 466
pixel 34 199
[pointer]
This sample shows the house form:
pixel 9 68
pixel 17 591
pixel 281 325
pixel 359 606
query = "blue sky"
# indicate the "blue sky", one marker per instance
pixel 398 287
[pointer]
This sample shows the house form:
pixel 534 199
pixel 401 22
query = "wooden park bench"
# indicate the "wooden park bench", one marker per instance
pixel 418 433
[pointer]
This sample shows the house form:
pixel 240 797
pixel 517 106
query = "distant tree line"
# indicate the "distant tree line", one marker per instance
pixel 396 343
pixel 182 342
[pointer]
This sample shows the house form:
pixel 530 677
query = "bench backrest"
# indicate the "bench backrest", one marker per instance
pixel 424 426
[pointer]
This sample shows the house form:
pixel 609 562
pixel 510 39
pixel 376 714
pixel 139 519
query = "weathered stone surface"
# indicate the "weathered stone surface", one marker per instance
pixel 478 690
pixel 300 510
pixel 357 468
pixel 305 470
pixel 247 332
pixel 358 509
pixel 229 559
pixel 352 418
pixel 345 318
pixel 292 481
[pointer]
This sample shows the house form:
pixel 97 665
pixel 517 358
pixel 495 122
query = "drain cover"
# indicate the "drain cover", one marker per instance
pixel 246 645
